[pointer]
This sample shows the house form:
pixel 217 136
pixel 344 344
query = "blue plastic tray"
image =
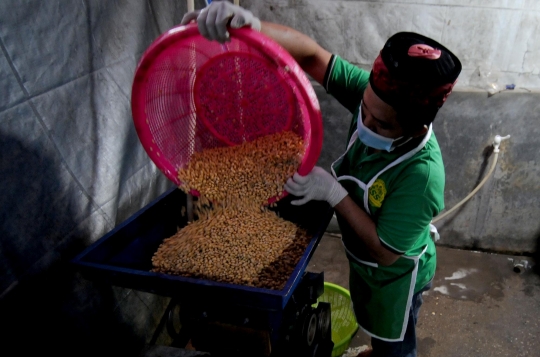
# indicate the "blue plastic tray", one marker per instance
pixel 122 257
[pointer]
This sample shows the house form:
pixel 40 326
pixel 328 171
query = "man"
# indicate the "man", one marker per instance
pixel 389 184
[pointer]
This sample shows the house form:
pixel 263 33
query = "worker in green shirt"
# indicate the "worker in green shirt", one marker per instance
pixel 389 183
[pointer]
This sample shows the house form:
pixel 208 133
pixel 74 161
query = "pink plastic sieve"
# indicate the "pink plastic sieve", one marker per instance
pixel 191 94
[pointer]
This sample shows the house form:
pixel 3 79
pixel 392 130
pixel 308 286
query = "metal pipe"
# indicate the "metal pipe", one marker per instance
pixel 520 267
pixel 190 5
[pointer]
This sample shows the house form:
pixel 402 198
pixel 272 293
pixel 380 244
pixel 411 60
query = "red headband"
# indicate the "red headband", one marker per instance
pixel 415 94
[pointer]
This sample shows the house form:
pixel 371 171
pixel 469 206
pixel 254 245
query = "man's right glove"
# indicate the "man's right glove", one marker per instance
pixel 213 20
pixel 318 185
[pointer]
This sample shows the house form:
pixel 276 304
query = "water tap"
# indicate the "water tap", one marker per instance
pixel 497 141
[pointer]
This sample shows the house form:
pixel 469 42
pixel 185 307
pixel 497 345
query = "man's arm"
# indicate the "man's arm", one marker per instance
pixel 309 54
pixel 322 186
pixel 214 19
pixel 365 230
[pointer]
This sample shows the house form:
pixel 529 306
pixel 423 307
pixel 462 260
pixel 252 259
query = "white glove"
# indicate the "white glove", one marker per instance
pixel 317 185
pixel 213 19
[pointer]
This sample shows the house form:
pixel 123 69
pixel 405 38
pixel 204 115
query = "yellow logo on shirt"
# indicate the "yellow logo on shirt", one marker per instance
pixel 377 191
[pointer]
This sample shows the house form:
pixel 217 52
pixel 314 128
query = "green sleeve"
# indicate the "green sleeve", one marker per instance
pixel 346 82
pixel 408 210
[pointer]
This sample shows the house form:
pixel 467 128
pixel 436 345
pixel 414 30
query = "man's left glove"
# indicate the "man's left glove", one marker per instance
pixel 317 185
pixel 213 20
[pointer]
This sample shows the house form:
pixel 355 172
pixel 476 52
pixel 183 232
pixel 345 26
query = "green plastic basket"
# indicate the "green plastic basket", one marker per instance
pixel 344 324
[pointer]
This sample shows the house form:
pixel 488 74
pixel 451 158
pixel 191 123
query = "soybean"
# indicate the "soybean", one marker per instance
pixel 237 238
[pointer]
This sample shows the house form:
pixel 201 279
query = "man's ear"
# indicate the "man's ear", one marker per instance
pixel 420 132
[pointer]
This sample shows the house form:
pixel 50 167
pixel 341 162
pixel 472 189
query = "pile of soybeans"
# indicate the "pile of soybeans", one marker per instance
pixel 236 238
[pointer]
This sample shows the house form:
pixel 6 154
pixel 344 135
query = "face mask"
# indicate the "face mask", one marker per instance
pixel 376 141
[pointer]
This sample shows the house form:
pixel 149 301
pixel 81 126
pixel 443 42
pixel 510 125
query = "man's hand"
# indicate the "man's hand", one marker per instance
pixel 317 185
pixel 213 20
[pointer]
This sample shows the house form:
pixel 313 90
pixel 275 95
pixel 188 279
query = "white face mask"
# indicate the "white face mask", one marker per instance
pixel 376 141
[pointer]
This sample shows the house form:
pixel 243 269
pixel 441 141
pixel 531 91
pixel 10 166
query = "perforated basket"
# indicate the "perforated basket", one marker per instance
pixel 191 94
pixel 344 325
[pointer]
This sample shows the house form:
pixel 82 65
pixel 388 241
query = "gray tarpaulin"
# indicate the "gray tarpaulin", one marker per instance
pixel 71 164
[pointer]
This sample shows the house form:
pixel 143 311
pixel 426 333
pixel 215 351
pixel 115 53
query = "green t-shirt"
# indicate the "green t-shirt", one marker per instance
pixel 404 199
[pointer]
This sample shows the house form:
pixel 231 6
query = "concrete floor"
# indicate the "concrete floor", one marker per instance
pixel 478 306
